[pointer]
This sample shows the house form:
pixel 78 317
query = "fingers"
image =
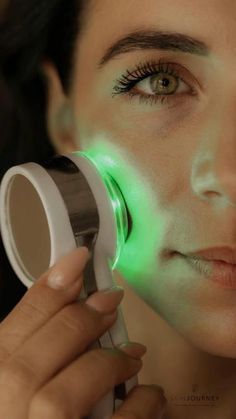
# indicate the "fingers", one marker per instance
pixel 22 375
pixel 75 391
pixel 143 402
pixel 41 302
pixel 63 338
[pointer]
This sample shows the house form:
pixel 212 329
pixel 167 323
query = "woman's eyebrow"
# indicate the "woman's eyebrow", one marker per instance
pixel 155 39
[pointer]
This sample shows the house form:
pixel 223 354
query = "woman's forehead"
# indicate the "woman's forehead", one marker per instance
pixel 158 9
pixel 109 22
pixel 109 19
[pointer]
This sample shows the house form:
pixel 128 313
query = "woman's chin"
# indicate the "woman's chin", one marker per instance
pixel 215 336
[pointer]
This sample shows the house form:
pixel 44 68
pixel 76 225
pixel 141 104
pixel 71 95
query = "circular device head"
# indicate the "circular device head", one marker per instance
pixel 46 211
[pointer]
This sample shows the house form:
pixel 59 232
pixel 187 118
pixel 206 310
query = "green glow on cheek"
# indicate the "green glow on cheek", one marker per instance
pixel 137 257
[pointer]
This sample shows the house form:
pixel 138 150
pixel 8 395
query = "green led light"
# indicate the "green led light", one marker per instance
pixel 118 206
pixel 136 257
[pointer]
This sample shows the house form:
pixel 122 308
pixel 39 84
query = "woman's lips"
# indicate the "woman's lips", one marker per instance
pixel 221 273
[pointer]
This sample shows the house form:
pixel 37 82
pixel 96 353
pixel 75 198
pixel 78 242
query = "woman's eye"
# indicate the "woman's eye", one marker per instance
pixel 161 84
pixel 155 82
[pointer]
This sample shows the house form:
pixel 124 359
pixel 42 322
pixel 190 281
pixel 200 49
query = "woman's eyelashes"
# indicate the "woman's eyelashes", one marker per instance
pixel 162 80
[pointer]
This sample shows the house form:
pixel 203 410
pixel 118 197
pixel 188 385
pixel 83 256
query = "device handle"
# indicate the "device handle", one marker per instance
pixel 116 335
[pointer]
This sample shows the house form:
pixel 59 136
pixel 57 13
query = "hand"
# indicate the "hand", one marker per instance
pixel 46 370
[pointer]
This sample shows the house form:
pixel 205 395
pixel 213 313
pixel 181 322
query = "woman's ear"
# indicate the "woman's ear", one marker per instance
pixel 59 112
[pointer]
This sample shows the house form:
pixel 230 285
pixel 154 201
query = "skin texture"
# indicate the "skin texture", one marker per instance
pixel 187 153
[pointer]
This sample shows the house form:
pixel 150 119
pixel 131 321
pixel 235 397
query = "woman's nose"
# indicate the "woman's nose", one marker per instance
pixel 214 168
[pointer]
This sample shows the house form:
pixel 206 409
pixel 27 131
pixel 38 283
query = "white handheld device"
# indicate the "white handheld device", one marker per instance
pixel 46 211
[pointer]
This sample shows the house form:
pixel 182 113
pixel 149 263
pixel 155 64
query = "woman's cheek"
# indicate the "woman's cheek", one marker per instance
pixel 149 122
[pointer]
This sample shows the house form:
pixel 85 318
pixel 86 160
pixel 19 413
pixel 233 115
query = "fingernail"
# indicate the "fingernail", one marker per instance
pixel 68 268
pixel 162 413
pixel 160 390
pixel 106 301
pixel 134 349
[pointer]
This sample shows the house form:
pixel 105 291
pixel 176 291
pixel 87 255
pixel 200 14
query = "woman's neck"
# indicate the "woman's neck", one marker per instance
pixel 197 384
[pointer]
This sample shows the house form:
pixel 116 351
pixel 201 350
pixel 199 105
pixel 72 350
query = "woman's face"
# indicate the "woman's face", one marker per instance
pixel 175 160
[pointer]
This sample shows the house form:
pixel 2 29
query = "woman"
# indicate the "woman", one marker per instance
pixel 177 132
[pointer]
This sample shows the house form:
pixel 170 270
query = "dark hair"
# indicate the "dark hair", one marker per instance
pixel 30 31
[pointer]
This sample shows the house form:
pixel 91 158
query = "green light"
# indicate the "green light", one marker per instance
pixel 136 257
pixel 118 205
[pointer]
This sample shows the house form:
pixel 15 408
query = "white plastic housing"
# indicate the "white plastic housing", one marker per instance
pixel 48 231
